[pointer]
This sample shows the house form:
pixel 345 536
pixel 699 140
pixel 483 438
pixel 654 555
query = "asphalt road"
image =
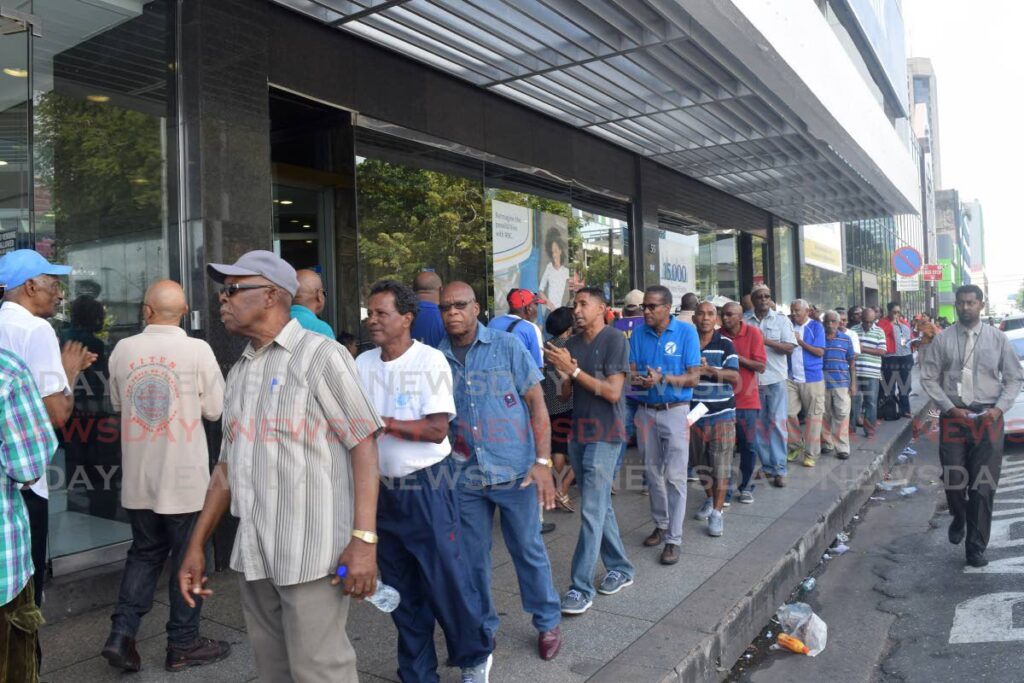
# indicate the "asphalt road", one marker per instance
pixel 902 606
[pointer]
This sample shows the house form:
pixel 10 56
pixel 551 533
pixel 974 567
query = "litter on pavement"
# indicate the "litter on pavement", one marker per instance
pixel 799 621
pixel 908 491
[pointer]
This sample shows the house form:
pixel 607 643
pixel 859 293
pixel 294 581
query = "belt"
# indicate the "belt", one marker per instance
pixel 664 406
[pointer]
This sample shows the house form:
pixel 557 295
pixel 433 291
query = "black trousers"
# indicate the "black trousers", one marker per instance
pixel 39 526
pixel 896 379
pixel 971 453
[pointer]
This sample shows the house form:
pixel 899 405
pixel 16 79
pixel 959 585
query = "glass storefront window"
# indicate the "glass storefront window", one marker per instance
pixel 15 180
pixel 605 253
pixel 784 289
pixel 760 260
pixel 718 267
pixel 103 201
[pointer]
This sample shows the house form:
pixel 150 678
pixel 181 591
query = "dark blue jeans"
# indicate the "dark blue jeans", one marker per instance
pixel 746 426
pixel 520 526
pixel 419 555
pixel 154 538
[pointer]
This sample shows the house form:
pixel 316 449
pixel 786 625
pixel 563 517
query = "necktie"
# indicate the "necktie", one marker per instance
pixel 967 373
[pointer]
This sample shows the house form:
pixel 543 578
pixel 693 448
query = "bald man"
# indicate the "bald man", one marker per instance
pixel 164 383
pixel 427 326
pixel 309 303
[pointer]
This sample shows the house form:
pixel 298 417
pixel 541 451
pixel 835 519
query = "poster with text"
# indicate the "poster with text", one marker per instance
pixel 515 251
pixel 555 272
pixel 677 256
pixel 823 246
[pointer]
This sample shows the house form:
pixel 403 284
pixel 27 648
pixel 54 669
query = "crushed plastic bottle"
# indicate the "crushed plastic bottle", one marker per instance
pixel 799 621
pixel 843 537
pixel 792 644
pixel 908 491
pixel 808 584
pixel 385 598
pixel 839 549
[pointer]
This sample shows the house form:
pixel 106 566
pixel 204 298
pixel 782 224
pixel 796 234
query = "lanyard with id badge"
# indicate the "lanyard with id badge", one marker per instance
pixel 964 361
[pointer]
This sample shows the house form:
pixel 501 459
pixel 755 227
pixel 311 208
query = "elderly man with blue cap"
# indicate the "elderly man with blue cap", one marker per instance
pixel 33 293
pixel 299 441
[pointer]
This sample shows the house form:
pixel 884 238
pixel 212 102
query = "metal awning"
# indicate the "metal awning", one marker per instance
pixel 641 73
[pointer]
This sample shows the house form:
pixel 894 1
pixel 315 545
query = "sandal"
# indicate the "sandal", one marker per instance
pixel 564 502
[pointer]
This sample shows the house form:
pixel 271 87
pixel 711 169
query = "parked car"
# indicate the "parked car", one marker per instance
pixel 1014 321
pixel 1013 421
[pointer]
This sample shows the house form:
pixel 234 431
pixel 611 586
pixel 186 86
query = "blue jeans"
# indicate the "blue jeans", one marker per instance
pixel 594 465
pixel 154 538
pixel 770 435
pixel 520 527
pixel 746 431
pixel 865 401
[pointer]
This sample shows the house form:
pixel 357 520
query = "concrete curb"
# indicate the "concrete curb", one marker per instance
pixel 710 656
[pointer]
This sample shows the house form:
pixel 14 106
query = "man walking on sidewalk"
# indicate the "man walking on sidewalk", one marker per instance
pixel 164 383
pixel 503 448
pixel 777 332
pixel 869 372
pixel 298 467
pixel 806 385
pixel 899 358
pixel 753 360
pixel 664 359
pixel 410 385
pixel 840 368
pixel 972 372
pixel 714 435
pixel 594 365
pixel 27 443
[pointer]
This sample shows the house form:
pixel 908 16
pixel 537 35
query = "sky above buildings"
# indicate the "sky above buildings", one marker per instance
pixel 976 49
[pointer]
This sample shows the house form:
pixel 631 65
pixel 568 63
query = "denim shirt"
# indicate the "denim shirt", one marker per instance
pixel 492 430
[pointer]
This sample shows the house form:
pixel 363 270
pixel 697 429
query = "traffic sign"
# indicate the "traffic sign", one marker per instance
pixel 907 284
pixel 907 261
pixel 932 272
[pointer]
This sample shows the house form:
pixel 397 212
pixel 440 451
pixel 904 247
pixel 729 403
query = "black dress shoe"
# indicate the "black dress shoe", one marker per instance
pixel 977 560
pixel 120 652
pixel 957 530
pixel 547 527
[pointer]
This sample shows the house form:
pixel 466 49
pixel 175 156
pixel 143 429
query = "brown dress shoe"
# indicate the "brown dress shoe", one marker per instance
pixel 779 482
pixel 670 555
pixel 656 537
pixel 549 643
pixel 120 653
pixel 202 651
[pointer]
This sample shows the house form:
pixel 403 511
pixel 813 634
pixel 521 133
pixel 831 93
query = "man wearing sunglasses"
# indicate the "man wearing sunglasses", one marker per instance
pixel 503 448
pixel 33 294
pixel 299 441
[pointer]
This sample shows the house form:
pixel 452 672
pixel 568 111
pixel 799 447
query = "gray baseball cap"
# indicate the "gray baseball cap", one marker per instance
pixel 259 262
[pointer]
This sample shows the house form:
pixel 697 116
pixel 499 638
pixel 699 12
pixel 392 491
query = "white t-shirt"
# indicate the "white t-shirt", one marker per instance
pixel 416 384
pixel 552 283
pixel 854 339
pixel 34 341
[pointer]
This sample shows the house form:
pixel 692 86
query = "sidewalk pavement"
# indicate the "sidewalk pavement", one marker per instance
pixel 688 623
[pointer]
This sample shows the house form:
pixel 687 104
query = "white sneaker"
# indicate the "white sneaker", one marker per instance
pixel 481 673
pixel 705 511
pixel 715 524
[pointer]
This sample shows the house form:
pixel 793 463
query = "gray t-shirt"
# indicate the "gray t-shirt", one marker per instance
pixel 593 418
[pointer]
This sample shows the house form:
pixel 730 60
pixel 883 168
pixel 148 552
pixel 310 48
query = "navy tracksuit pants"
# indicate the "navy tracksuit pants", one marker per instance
pixel 418 555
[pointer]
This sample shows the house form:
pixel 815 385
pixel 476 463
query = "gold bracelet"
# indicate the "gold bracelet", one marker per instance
pixel 365 536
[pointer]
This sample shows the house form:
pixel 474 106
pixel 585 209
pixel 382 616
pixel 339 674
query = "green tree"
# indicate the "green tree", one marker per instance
pixel 596 273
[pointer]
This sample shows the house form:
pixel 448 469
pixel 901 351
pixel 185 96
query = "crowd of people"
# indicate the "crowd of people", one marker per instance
pixel 344 465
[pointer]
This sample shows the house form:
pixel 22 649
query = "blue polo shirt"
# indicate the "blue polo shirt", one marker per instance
pixel 428 326
pixel 838 354
pixel 675 351
pixel 807 368
pixel 491 432
pixel 309 321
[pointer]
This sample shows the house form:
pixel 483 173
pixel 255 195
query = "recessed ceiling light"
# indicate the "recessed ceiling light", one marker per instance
pixel 48 214
pixel 17 73
pixel 309 241
pixel 2 162
pixel 286 202
pixel 277 201
pixel 294 220
pixel 306 225
pixel 99 99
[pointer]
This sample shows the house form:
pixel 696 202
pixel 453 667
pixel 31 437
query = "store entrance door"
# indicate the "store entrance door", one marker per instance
pixel 302 215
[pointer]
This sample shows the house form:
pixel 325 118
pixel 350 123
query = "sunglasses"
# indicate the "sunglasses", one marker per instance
pixel 234 288
pixel 651 307
pixel 458 305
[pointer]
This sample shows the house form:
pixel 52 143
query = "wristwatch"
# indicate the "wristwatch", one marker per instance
pixel 365 536
pixel 544 461
pixel 576 372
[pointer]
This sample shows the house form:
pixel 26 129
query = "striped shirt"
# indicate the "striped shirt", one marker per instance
pixel 838 354
pixel 717 396
pixel 27 443
pixel 868 365
pixel 293 410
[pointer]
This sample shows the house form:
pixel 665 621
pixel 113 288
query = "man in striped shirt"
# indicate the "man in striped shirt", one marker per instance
pixel 27 443
pixel 713 438
pixel 298 467
pixel 839 368
pixel 869 371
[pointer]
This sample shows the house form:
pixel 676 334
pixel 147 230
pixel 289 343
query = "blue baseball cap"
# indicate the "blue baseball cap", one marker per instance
pixel 25 264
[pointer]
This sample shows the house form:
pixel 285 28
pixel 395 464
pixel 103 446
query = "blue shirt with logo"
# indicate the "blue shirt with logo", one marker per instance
pixel 675 351
pixel 491 433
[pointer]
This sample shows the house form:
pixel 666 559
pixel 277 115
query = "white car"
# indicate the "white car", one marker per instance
pixel 1014 420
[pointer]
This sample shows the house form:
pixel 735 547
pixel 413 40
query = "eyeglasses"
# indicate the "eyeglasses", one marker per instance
pixel 235 287
pixel 458 305
pixel 651 307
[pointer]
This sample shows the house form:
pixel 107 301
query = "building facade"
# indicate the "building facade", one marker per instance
pixel 616 145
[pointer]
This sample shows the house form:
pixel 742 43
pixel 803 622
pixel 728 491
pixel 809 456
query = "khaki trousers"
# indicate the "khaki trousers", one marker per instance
pixel 298 632
pixel 809 396
pixel 835 426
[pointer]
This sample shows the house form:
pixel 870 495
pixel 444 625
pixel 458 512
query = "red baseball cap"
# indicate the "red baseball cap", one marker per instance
pixel 521 298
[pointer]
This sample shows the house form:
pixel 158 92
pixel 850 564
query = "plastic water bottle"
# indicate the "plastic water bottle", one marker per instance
pixel 385 598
